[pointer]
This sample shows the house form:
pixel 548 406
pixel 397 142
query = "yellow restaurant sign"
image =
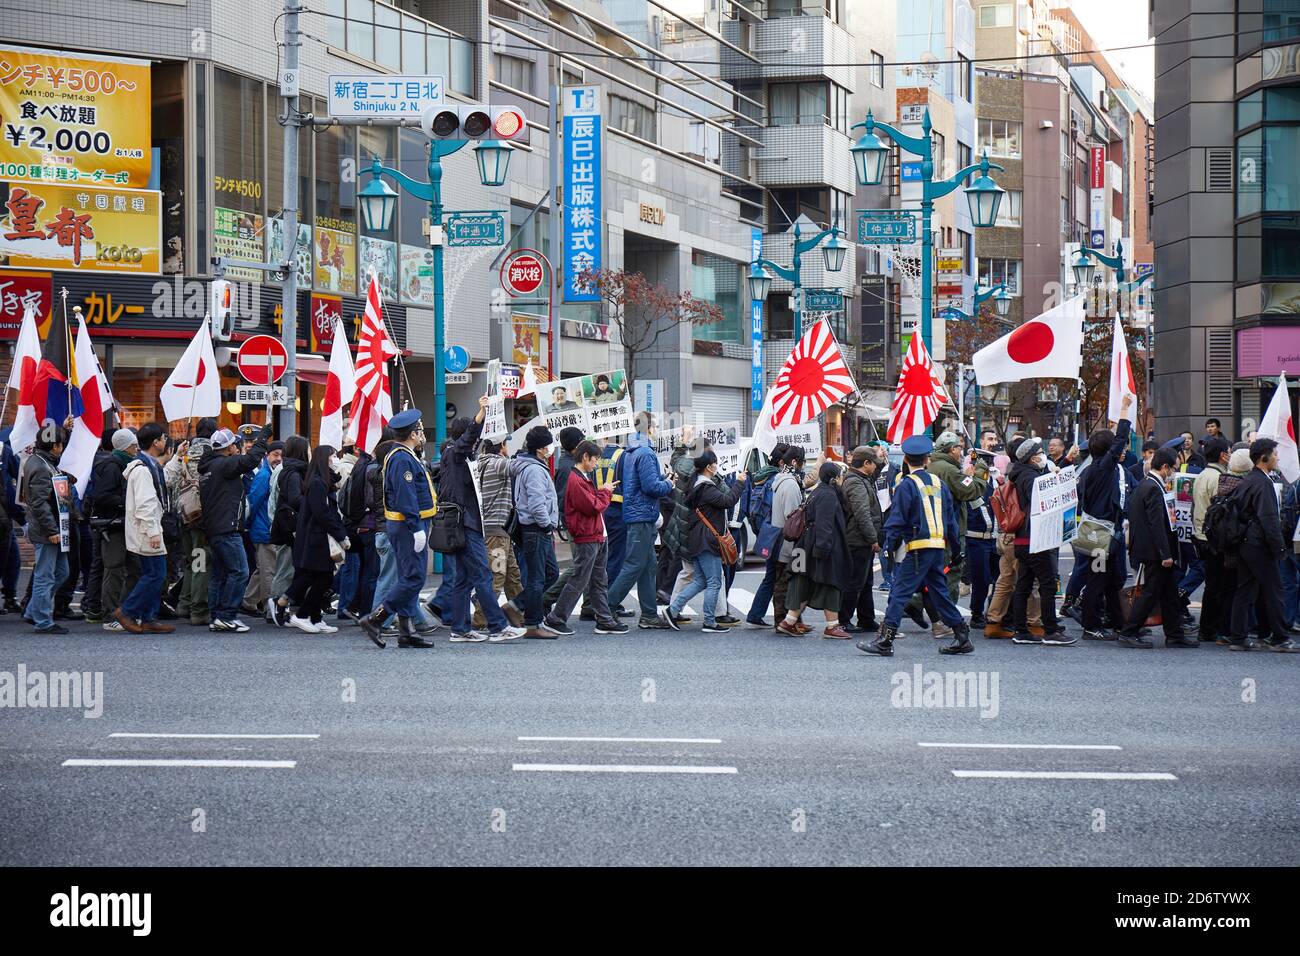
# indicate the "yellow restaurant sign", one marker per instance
pixel 69 118
pixel 83 227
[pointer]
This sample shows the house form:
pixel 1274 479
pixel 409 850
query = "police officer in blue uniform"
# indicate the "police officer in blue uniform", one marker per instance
pixel 408 506
pixel 921 527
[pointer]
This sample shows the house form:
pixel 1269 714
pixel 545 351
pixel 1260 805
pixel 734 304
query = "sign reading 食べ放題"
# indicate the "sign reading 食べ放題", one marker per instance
pixel 72 119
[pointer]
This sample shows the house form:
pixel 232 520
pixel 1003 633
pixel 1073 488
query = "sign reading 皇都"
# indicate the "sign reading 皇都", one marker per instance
pixel 82 227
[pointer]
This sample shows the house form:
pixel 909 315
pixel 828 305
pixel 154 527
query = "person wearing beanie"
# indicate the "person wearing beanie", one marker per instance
pixel 538 512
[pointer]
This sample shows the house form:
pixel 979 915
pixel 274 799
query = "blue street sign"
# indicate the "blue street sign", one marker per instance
pixel 583 176
pixel 823 300
pixel 911 172
pixel 476 227
pixel 455 358
pixel 1097 240
pixel 757 386
pixel 886 226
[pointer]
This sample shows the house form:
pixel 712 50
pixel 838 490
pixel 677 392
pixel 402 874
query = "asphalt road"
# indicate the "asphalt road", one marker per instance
pixel 745 748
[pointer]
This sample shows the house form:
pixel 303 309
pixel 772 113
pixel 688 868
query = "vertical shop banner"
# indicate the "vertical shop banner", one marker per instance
pixel 301 251
pixel 527 349
pixel 68 118
pixel 417 274
pixel 326 310
pixel 238 235
pixel 380 256
pixel 18 290
pixel 336 255
pixel 83 227
pixel 583 173
pixel 757 386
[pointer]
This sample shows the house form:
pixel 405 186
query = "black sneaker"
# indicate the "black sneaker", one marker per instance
pixel 1138 641
pixel 587 616
pixel 612 627
pixel 668 619
pixel 728 620
pixel 1024 637
pixel 716 628
pixel 1239 646
pixel 1283 647
pixel 625 612
pixel 559 630
pixel 1058 637
pixel 52 629
pixel 652 624
pixel 1100 635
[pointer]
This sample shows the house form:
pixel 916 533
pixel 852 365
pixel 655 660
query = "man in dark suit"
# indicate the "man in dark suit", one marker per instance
pixel 1154 545
pixel 1259 583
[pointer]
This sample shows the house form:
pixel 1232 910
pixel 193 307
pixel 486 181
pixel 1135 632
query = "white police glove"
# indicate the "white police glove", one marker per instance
pixel 421 539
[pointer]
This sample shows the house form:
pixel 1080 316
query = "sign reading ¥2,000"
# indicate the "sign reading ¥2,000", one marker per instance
pixel 81 227
pixel 69 118
pixel 374 95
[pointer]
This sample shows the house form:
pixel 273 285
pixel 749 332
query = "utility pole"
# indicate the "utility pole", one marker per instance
pixel 289 83
pixel 555 227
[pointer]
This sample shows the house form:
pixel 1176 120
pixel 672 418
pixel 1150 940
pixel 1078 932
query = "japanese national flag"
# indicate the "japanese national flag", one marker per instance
pixel 1278 425
pixel 340 388
pixel 1121 379
pixel 194 386
pixel 919 396
pixel 88 427
pixel 22 377
pixel 1050 346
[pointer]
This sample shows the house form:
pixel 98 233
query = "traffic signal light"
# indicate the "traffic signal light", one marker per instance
pixel 473 122
pixel 222 310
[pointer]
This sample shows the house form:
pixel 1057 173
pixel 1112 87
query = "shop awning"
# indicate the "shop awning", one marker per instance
pixel 312 368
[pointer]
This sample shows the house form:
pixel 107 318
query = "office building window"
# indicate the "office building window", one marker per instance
pixel 963 155
pixel 1000 138
pixel 399 41
pixel 631 117
pixel 877 72
pixel 1281 20
pixel 720 282
pixel 797 104
pixel 1009 209
pixel 1006 272
pixel 822 206
pixel 997 15
pixel 965 79
pixel 514 71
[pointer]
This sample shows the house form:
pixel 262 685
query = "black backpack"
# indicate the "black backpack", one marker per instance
pixel 1226 524
pixel 352 499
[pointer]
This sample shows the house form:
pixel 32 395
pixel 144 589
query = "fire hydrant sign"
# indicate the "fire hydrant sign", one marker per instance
pixel 262 360
pixel 1055 497
pixel 521 273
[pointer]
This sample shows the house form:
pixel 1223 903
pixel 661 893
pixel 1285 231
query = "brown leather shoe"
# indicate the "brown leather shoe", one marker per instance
pixel 836 633
pixel 802 627
pixel 128 624
pixel 790 630
pixel 157 627
pixel 994 630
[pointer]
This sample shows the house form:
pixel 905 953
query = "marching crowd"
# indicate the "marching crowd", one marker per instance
pixel 224 524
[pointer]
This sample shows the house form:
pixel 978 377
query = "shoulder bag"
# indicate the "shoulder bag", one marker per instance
pixel 726 543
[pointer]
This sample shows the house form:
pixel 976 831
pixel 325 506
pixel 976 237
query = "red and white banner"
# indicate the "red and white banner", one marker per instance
pixel 919 395
pixel 194 386
pixel 22 377
pixel 373 404
pixel 1121 378
pixel 340 388
pixel 1279 426
pixel 88 428
pixel 813 378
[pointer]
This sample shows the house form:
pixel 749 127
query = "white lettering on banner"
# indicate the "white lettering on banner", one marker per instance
pixel 1055 494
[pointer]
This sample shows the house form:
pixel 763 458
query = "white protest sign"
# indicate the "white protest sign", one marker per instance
pixel 494 419
pixel 1055 494
pixel 807 436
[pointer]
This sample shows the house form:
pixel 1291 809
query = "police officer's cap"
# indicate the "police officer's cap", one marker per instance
pixel 918 445
pixel 405 419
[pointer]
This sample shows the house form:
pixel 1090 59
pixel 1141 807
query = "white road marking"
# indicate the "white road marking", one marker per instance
pixel 1062 775
pixel 153 736
pixel 618 768
pixel 628 740
pixel 1024 746
pixel 182 762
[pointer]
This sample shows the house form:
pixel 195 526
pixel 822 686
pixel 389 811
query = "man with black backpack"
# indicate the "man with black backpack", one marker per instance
pixel 1258 581
pixel 1216 599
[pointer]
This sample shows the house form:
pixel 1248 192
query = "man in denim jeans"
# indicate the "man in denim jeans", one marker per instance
pixel 642 487
pixel 221 488
pixel 43 527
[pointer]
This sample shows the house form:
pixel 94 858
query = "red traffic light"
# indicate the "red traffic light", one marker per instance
pixel 507 123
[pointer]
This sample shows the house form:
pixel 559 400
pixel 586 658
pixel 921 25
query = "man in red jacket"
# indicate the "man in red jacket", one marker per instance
pixel 584 507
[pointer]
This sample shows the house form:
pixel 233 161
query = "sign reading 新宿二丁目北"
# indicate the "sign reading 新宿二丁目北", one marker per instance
pixel 82 227
pixel 370 95
pixel 72 119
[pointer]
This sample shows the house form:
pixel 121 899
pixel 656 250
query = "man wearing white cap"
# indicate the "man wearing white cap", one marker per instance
pixel 138 612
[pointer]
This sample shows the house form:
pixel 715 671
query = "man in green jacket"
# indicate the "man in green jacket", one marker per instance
pixel 967 481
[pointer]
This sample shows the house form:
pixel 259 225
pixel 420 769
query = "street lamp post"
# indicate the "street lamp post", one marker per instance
pixel 1001 302
pixel 378 201
pixel 983 195
pixel 760 282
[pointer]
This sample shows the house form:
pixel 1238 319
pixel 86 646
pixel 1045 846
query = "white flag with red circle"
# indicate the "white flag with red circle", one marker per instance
pixel 340 388
pixel 919 395
pixel 1278 425
pixel 1121 379
pixel 1050 346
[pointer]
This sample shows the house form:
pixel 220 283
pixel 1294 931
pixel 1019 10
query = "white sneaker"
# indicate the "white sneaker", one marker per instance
pixel 324 628
pixel 303 624
pixel 470 637
pixel 238 626
pixel 113 626
pixel 507 634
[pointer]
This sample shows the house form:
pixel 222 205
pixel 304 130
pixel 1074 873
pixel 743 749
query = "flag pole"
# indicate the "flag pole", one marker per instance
pixel 67 345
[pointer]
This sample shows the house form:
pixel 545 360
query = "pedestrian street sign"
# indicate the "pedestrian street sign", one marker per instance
pixel 823 300
pixel 886 226
pixel 476 227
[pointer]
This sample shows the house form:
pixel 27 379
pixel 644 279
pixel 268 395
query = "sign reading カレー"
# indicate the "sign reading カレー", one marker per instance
pixel 74 119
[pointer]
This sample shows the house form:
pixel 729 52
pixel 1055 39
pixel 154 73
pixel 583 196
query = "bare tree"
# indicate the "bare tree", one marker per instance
pixel 642 311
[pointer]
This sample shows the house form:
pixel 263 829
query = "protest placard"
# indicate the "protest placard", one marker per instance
pixel 1054 495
